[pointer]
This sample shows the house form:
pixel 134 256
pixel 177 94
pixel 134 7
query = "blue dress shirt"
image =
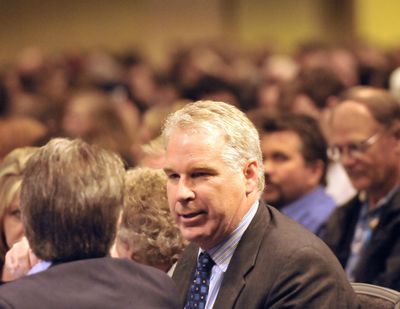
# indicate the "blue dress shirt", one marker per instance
pixel 311 210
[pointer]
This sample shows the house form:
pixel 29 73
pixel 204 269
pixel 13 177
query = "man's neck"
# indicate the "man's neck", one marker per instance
pixel 374 196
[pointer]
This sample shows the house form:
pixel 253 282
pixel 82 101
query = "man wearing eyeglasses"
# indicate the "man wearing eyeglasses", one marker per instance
pixel 365 233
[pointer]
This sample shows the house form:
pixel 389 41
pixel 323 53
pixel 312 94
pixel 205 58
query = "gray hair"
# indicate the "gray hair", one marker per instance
pixel 242 139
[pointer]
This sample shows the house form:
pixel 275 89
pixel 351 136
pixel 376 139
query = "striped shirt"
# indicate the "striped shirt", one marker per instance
pixel 222 254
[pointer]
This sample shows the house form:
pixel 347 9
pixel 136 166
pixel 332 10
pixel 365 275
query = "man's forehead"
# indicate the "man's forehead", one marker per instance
pixel 193 136
pixel 196 129
pixel 352 121
pixel 352 113
pixel 351 107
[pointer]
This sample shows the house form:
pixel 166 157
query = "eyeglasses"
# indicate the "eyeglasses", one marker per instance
pixel 335 152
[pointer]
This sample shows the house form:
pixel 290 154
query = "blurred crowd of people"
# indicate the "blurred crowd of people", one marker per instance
pixel 319 151
pixel 119 100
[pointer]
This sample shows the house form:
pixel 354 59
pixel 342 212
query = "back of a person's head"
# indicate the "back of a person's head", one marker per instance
pixel 147 227
pixel 71 198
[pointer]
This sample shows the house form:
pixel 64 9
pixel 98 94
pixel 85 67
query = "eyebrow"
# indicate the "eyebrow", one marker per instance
pixel 193 168
pixel 203 167
pixel 168 170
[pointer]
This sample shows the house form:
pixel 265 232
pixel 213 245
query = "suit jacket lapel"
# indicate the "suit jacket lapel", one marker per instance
pixel 243 260
pixel 184 271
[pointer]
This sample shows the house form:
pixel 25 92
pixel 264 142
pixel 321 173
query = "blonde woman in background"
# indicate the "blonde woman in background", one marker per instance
pixel 147 232
pixel 11 171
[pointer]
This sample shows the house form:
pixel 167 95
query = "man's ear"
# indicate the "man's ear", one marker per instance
pixel 251 176
pixel 121 249
pixel 316 172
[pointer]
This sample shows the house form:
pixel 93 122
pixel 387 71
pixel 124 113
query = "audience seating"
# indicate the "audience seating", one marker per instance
pixel 376 297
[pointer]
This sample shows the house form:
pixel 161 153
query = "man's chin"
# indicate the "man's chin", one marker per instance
pixel 360 183
pixel 199 237
pixel 193 234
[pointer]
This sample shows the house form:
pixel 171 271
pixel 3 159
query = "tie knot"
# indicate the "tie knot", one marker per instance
pixel 205 262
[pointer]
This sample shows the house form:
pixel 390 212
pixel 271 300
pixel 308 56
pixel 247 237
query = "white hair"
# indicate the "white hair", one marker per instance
pixel 242 139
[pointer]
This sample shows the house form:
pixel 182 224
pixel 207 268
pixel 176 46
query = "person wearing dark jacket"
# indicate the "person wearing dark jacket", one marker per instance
pixel 243 254
pixel 365 233
pixel 71 198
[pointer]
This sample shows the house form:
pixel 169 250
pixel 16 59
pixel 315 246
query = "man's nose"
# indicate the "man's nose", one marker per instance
pixel 185 191
pixel 346 158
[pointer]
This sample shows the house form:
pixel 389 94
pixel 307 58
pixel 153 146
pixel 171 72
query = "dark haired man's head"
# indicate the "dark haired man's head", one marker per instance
pixel 294 154
pixel 70 200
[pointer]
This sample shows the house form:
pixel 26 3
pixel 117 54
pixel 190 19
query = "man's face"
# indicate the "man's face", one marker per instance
pixel 376 167
pixel 206 197
pixel 287 175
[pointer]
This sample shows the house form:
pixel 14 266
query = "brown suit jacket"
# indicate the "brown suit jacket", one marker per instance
pixel 277 264
pixel 101 283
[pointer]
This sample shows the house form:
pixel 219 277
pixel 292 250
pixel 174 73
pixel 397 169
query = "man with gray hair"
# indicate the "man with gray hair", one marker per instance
pixel 71 198
pixel 248 255
pixel 364 233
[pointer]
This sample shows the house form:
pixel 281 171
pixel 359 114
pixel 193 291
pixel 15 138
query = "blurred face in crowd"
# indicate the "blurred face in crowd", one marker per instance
pixel 206 197
pixel 12 224
pixel 369 151
pixel 288 176
pixel 305 106
pixel 77 119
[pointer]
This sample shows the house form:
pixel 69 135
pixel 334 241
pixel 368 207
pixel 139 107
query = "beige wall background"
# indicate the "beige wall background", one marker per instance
pixel 156 25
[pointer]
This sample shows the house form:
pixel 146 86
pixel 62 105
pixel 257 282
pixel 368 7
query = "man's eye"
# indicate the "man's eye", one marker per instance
pixel 279 157
pixel 200 174
pixel 355 147
pixel 173 176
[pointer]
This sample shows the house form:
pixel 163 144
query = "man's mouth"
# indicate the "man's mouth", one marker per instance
pixel 355 173
pixel 193 214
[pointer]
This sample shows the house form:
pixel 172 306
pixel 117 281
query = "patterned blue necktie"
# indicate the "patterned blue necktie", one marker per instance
pixel 197 295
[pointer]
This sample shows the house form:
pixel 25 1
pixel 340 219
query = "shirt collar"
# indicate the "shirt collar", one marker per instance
pixel 307 201
pixel 381 203
pixel 39 267
pixel 223 252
